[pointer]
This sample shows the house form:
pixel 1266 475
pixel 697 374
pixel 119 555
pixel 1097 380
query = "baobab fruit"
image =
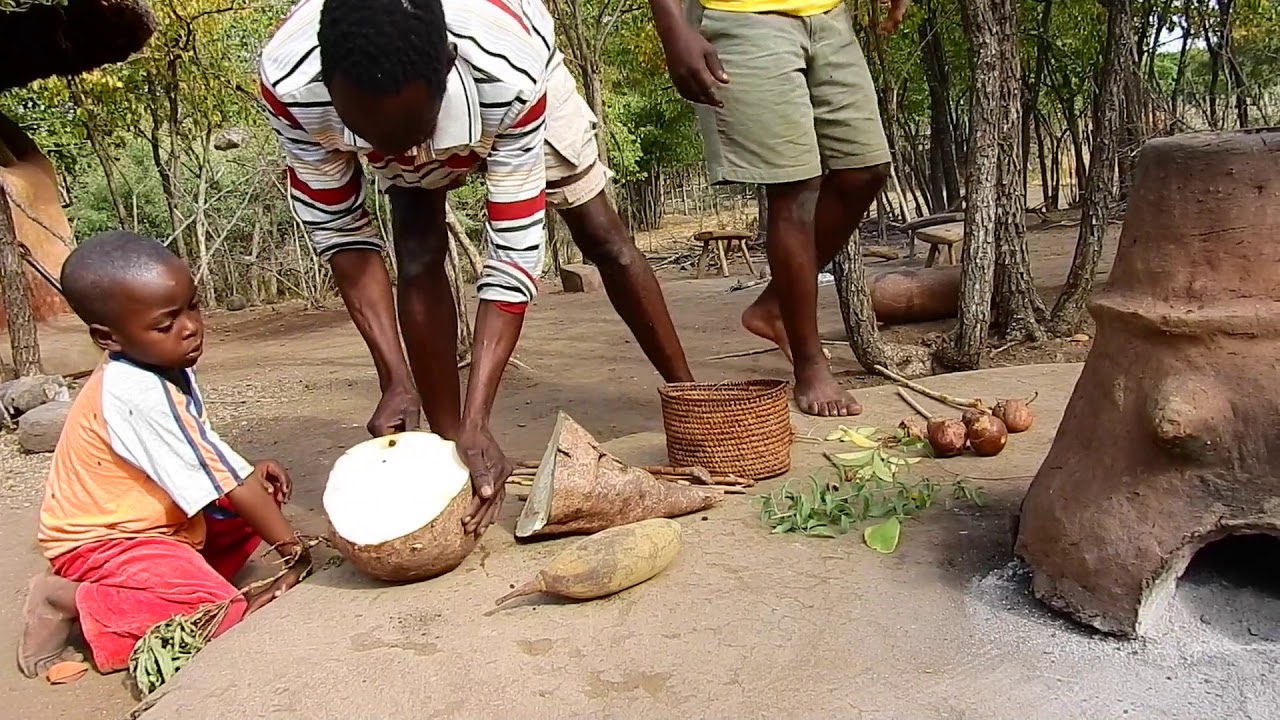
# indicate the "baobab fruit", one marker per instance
pixel 914 428
pixel 969 416
pixel 1016 415
pixel 987 435
pixel 947 437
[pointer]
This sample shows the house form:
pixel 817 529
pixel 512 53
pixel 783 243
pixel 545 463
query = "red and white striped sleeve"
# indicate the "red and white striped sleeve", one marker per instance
pixel 326 186
pixel 515 230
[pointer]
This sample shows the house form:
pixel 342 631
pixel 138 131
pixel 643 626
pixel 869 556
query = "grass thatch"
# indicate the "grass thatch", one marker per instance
pixel 48 40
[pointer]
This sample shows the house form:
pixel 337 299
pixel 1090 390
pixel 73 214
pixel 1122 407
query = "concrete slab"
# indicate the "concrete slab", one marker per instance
pixel 743 625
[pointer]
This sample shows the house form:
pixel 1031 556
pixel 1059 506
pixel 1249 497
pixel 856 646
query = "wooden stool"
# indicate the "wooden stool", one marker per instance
pixel 941 235
pixel 725 241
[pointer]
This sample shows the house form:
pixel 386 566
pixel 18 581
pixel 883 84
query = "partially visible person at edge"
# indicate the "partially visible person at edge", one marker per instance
pixel 147 513
pixel 733 58
pixel 426 91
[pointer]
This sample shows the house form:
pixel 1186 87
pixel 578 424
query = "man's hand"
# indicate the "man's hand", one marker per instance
pixel 290 578
pixel 275 480
pixel 399 410
pixel 897 12
pixel 489 472
pixel 695 67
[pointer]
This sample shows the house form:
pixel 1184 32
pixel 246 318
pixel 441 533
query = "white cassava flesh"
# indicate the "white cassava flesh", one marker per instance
pixel 396 504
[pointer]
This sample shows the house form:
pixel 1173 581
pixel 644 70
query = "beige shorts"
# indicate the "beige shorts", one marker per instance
pixel 571 146
pixel 799 101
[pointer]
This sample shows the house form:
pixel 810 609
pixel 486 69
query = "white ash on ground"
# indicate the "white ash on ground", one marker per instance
pixel 1197 662
pixel 22 482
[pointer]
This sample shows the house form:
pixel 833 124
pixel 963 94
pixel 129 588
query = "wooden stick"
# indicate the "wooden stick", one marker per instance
pixel 741 353
pixel 914 405
pixel 963 403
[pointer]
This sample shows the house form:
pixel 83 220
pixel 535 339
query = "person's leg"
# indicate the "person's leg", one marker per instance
pixel 576 181
pixel 428 318
pixel 124 587
pixel 766 57
pixel 852 144
pixel 48 618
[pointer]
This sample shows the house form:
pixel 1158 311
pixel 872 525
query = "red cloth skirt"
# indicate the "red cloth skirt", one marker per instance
pixel 129 585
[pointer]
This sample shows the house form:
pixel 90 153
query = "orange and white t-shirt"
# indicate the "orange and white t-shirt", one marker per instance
pixel 137 458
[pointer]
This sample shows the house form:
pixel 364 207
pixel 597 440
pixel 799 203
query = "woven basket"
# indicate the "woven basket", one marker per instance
pixel 740 428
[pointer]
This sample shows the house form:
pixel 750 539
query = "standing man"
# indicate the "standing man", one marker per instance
pixel 426 91
pixel 784 99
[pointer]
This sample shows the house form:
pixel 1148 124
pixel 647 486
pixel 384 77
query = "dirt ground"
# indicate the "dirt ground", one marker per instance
pixel 296 384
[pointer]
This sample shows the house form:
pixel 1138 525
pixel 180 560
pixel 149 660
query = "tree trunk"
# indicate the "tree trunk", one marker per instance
pixel 100 151
pixel 1100 187
pixel 458 285
pixel 1031 100
pixel 944 174
pixel 17 303
pixel 762 215
pixel 1180 75
pixel 860 321
pixel 986 24
pixel 1018 309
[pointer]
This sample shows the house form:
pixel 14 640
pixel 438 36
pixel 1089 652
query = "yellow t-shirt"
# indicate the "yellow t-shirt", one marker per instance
pixel 798 8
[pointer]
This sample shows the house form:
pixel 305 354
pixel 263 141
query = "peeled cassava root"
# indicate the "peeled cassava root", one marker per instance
pixel 396 506
pixel 606 563
pixel 580 488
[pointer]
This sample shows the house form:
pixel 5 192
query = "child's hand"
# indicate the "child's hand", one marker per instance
pixel 290 578
pixel 897 13
pixel 275 480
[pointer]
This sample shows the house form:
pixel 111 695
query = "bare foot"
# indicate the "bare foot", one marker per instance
pixel 818 393
pixel 49 615
pixel 763 318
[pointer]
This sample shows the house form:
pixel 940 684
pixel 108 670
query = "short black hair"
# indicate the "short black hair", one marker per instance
pixel 383 46
pixel 93 272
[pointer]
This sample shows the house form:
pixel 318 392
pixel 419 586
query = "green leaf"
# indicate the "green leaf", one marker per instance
pixel 855 459
pixel 883 537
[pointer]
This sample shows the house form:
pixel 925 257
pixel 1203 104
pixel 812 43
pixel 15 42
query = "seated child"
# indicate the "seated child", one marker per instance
pixel 147 513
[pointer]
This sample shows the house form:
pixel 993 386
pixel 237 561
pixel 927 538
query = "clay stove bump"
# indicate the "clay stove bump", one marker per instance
pixel 1168 442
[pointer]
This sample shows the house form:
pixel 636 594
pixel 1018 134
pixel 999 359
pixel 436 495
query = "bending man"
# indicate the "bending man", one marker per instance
pixel 426 91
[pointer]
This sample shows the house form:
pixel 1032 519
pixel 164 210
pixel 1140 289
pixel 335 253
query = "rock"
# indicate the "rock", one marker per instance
pixel 1169 440
pixel 235 303
pixel 230 139
pixel 28 393
pixel 581 279
pixel 39 429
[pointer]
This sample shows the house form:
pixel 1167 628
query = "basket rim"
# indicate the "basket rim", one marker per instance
pixel 763 386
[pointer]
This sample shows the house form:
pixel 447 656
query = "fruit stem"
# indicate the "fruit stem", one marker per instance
pixel 914 405
pixel 940 397
pixel 532 587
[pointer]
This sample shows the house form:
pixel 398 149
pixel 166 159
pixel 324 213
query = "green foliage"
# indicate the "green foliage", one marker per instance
pixel 860 486
pixel 20 5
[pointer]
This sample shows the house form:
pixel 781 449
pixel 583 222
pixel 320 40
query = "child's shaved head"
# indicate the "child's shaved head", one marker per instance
pixel 137 298
pixel 94 273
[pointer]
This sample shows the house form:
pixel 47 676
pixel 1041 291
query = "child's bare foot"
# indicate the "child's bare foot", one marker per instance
pixel 818 393
pixel 48 617
pixel 763 318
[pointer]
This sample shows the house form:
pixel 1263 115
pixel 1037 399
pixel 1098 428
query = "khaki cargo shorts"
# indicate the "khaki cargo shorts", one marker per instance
pixel 800 99
pixel 571 146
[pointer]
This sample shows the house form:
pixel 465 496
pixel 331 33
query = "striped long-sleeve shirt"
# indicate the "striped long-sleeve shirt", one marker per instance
pixel 493 111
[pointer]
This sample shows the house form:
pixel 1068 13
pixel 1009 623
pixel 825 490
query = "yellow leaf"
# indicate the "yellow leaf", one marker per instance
pixel 837 434
pixel 861 441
